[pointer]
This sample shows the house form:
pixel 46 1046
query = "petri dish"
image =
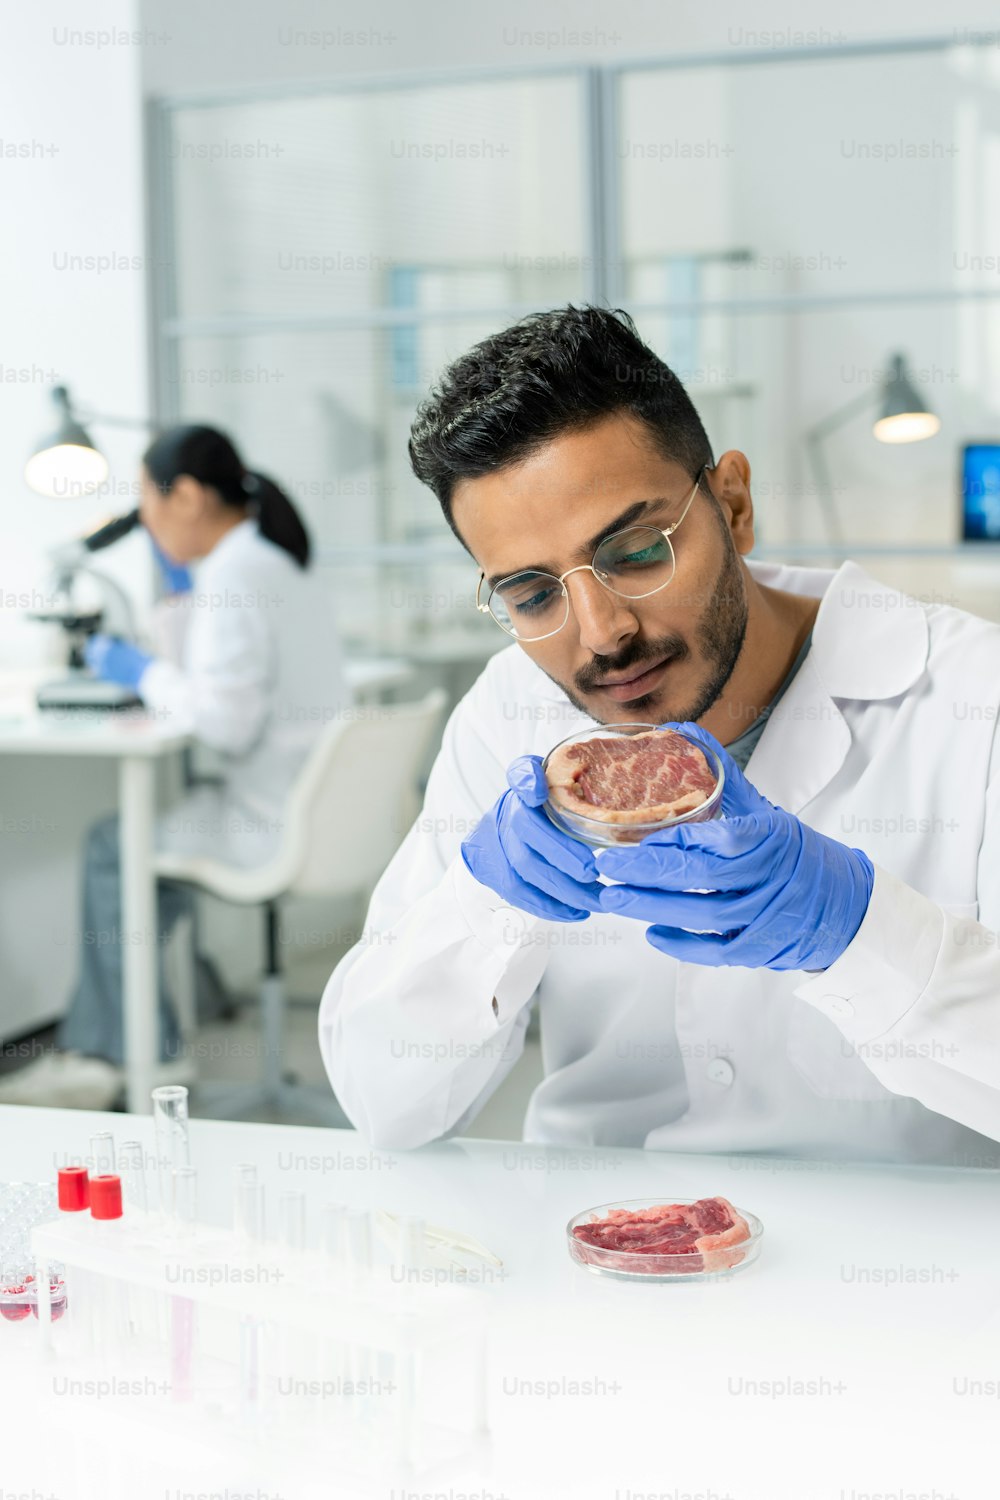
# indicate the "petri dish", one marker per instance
pixel 604 828
pixel 638 1239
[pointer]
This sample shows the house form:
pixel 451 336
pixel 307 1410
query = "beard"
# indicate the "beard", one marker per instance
pixel 719 635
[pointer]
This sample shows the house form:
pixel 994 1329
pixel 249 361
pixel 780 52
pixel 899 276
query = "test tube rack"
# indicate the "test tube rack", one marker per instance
pixel 375 1369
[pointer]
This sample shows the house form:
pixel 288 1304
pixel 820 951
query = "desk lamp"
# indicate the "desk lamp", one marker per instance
pixel 904 417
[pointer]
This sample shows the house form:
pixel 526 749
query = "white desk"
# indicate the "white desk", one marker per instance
pixel 370 677
pixel 452 654
pixel 673 1409
pixel 134 740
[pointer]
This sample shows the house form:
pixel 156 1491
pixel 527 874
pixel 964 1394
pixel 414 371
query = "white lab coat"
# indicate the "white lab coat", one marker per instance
pixel 886 740
pixel 250 665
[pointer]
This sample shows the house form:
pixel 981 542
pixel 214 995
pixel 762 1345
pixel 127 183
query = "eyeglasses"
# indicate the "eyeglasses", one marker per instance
pixel 633 563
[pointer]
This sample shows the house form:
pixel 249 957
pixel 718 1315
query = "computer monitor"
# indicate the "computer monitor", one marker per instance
pixel 981 492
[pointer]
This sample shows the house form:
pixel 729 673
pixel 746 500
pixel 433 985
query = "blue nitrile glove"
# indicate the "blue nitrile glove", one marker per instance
pixel 780 895
pixel 176 576
pixel 115 660
pixel 518 853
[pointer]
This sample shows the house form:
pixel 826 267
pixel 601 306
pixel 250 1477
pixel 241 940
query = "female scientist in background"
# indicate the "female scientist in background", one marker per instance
pixel 248 663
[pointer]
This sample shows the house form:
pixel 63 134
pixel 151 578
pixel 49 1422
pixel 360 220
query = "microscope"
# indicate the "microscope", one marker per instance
pixel 70 561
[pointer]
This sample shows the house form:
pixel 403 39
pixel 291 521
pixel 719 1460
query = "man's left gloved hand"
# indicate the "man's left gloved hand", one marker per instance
pixel 115 660
pixel 756 888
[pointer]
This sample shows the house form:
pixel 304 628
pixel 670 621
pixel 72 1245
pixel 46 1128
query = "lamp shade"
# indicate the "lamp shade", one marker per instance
pixel 66 464
pixel 905 417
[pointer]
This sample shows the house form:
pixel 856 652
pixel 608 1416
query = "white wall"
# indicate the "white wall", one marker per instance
pixel 72 266
pixel 70 109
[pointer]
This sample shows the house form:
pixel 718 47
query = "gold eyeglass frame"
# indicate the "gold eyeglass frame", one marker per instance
pixel 665 531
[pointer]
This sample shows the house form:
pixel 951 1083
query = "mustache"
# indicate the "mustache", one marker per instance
pixel 637 652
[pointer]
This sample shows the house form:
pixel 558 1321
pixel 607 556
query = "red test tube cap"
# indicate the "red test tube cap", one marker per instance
pixel 106 1196
pixel 73 1189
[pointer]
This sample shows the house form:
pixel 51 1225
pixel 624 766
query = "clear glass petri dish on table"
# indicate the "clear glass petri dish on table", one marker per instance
pixel 665 1239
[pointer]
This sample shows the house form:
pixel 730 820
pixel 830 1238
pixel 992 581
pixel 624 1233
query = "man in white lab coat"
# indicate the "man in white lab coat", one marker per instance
pixel 815 975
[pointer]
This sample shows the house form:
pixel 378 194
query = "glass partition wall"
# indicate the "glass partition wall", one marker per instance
pixel 328 255
pixel 781 228
pixel 787 227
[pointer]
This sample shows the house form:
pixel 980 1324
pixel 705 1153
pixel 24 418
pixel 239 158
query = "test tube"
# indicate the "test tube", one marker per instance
pixel 132 1171
pixel 358 1239
pixel 294 1342
pixel 292 1220
pixel 403 1365
pixel 102 1154
pixel 412 1242
pixel 111 1315
pixel 246 1204
pixel 334 1358
pixel 358 1236
pixel 184 1196
pixel 170 1120
pixel 334 1234
pixel 247 1227
pixel 73 1197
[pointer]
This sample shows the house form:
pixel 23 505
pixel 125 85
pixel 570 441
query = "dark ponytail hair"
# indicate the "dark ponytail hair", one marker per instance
pixel 210 457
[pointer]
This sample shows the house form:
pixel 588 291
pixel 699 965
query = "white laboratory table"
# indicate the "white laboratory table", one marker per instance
pixel 366 676
pixel 859 1356
pixel 134 740
pixel 451 655
pixel 369 678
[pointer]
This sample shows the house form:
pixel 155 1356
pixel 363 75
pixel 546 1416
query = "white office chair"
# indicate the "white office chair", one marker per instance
pixel 347 812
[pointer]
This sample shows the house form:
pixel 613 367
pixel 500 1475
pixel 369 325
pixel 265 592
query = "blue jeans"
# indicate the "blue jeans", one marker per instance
pixel 93 1024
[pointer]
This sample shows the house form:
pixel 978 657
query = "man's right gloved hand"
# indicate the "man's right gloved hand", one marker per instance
pixel 518 853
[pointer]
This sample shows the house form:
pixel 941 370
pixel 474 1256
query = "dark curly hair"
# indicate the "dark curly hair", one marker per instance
pixel 547 374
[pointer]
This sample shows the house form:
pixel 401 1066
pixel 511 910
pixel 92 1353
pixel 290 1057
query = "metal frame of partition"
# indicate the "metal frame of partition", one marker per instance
pixel 600 94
